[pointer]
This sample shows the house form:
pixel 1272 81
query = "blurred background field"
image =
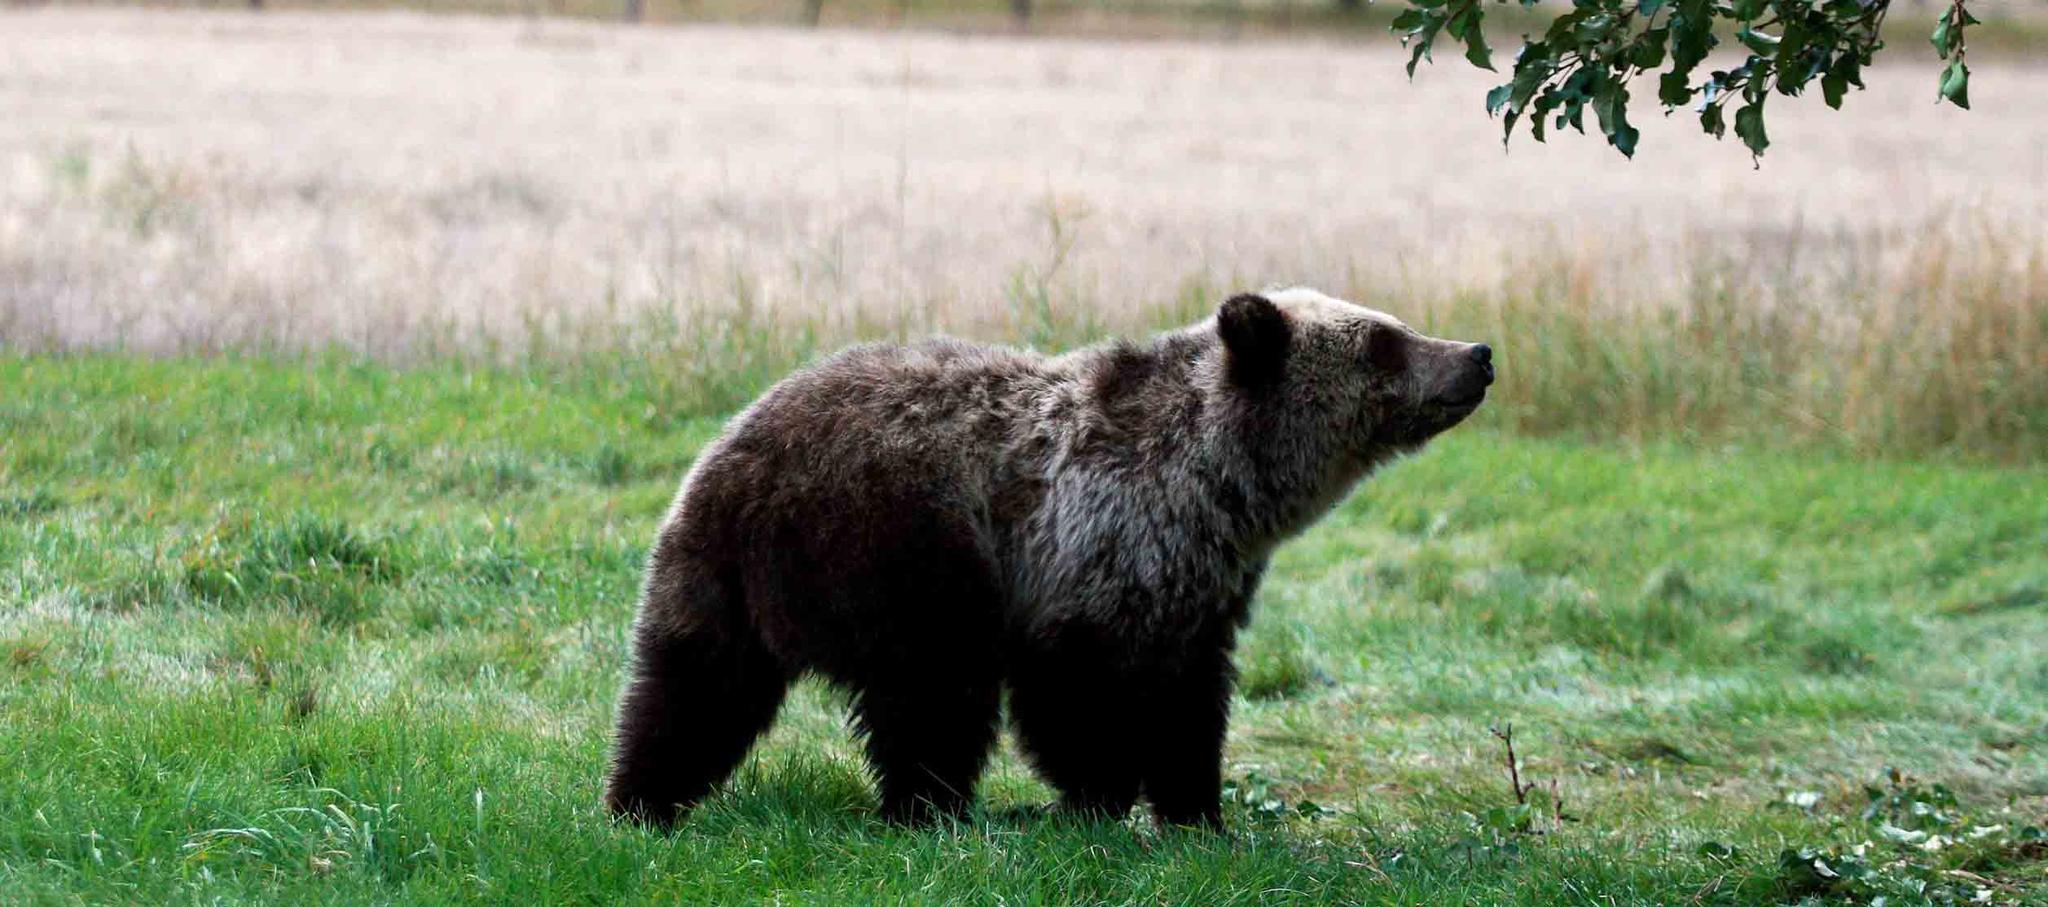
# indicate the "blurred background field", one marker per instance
pixel 712 204
pixel 2014 25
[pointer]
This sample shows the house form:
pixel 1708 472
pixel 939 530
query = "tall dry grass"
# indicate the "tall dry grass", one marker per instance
pixel 706 207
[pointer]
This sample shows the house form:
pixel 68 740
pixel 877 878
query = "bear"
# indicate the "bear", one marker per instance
pixel 937 525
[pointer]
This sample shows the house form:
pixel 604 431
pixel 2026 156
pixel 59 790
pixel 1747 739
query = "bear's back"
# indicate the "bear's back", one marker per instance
pixel 879 435
pixel 857 487
pixel 921 403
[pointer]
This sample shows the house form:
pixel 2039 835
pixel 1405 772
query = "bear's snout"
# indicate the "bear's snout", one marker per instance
pixel 1465 373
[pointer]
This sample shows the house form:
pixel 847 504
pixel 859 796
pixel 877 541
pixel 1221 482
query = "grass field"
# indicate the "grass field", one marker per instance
pixel 335 632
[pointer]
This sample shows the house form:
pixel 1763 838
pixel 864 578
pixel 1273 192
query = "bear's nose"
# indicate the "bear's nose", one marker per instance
pixel 1483 356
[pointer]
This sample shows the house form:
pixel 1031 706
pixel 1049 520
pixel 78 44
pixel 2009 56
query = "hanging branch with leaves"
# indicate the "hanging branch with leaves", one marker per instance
pixel 1589 56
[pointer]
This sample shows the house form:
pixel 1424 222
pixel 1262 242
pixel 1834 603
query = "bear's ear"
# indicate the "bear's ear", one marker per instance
pixel 1255 339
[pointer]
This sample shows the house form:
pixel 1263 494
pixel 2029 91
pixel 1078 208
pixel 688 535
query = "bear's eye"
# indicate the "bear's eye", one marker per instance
pixel 1386 349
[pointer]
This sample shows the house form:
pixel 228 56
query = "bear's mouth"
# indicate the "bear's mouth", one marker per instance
pixel 1465 402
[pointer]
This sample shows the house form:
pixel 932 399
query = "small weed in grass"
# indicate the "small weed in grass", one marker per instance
pixel 331 832
pixel 491 473
pixel 1922 847
pixel 320 566
pixel 26 653
pixel 29 506
pixel 609 465
pixel 1276 665
pixel 1262 798
pixel 387 455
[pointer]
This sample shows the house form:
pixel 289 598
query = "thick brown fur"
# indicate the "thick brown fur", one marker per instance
pixel 932 525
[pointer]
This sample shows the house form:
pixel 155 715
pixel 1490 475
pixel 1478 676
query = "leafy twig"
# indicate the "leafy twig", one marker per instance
pixel 1590 54
pixel 1949 41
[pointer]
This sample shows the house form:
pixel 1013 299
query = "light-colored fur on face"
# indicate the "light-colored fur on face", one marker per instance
pixel 1310 305
pixel 1364 378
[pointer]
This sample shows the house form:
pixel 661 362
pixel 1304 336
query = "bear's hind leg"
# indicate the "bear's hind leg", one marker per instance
pixel 697 701
pixel 928 742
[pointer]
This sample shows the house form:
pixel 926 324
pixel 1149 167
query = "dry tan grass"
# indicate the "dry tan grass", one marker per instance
pixel 404 185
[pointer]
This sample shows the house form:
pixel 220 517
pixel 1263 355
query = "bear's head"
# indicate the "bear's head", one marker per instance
pixel 1358 378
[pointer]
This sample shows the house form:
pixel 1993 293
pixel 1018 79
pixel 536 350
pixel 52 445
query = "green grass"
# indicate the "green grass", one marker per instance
pixel 305 632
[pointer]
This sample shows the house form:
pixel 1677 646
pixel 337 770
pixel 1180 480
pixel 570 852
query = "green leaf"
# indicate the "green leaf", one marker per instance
pixel 1673 89
pixel 1749 126
pixel 1757 73
pixel 1610 106
pixel 1424 37
pixel 1409 20
pixel 1845 72
pixel 1534 67
pixel 1464 26
pixel 1940 37
pixel 1560 31
pixel 1955 84
pixel 1498 98
pixel 1579 85
pixel 1692 37
pixel 1624 139
pixel 1647 52
pixel 1649 7
pixel 1832 87
pixel 1593 29
pixel 1850 70
pixel 1758 42
pixel 1715 850
pixel 1711 122
pixel 1460 20
pixel 1476 50
pixel 1791 75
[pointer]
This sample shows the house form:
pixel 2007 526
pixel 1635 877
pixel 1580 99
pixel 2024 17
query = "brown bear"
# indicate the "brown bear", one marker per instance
pixel 931 525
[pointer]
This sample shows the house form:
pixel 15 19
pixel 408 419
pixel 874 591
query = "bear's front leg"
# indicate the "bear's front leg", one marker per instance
pixel 1186 723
